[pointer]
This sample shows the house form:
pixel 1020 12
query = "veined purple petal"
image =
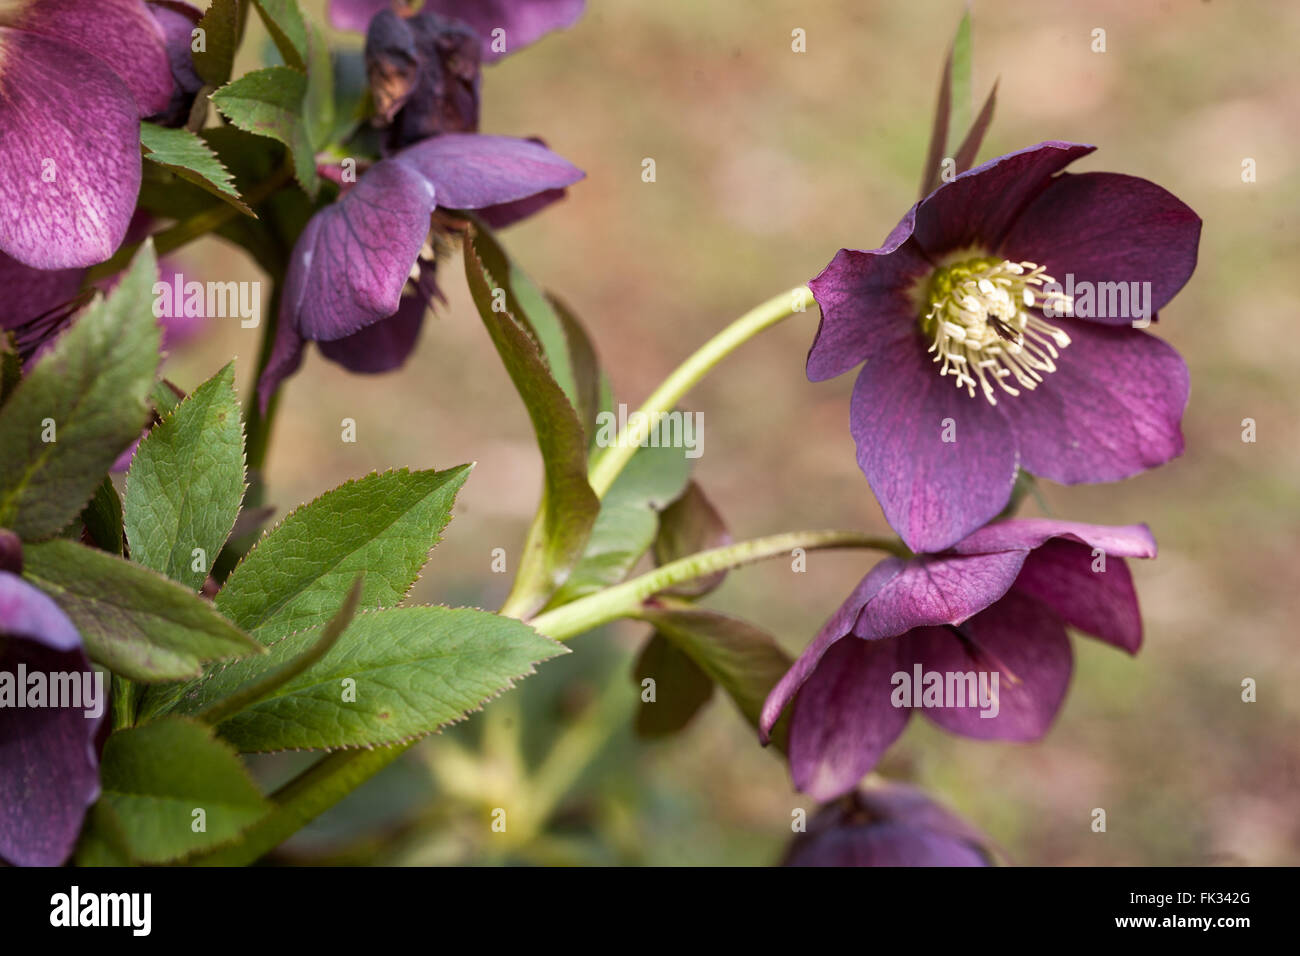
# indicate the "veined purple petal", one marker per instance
pixel 1025 534
pixel 1105 228
pixel 472 171
pixel 69 154
pixel 1112 408
pixel 1021 641
pixel 30 292
pixel 979 206
pixel 351 262
pixel 48 763
pixel 866 308
pixel 934 590
pixel 843 720
pixel 388 343
pixel 933 491
pixel 119 33
pixel 1095 597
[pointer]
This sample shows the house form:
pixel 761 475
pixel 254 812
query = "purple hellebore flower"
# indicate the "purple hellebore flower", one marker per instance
pixel 355 259
pixel 992 608
pixel 178 20
pixel 70 137
pixel 1023 284
pixel 49 763
pixel 888 825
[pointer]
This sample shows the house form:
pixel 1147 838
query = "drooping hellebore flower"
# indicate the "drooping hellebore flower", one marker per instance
pixel 49 764
pixel 973 637
pixel 888 825
pixel 357 257
pixel 1025 288
pixel 178 20
pixel 76 77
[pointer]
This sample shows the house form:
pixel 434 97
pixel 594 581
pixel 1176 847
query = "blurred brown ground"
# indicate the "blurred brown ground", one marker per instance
pixel 768 161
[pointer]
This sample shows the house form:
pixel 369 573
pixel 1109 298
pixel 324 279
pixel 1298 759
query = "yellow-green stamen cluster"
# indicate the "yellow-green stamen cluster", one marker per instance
pixel 977 316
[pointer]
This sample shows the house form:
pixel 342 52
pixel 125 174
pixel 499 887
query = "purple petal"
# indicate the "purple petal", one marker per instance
pixel 865 303
pixel 1112 408
pixel 509 213
pixel 1020 641
pixel 471 170
pixel 1102 603
pixel 69 157
pixel 933 492
pixel 384 346
pixel 48 764
pixel 934 590
pixel 1125 541
pixel 1108 228
pixel 285 358
pixel 30 292
pixel 884 844
pixel 843 720
pixel 351 262
pixel 119 33
pixel 840 624
pixel 177 21
pixel 356 14
pixel 979 206
pixel 523 21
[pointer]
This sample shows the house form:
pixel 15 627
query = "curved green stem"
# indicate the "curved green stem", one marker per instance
pixel 623 600
pixel 607 466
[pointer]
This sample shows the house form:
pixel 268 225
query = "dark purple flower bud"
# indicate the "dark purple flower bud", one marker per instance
pixel 973 638
pixel 11 552
pixel 51 708
pixel 424 76
pixel 178 20
pixel 888 825
pixel 1027 289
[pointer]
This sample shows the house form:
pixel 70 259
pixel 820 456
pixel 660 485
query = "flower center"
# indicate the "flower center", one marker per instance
pixel 981 328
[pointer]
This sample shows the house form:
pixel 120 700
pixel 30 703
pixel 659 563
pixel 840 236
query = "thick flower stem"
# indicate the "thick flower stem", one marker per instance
pixel 607 466
pixel 623 600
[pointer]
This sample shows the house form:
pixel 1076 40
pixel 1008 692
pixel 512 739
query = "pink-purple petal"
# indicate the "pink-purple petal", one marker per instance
pixel 1019 639
pixel 1109 228
pixel 381 347
pixel 1025 534
pixel 1093 593
pixel 69 154
pixel 523 21
pixel 933 492
pixel 356 14
pixel 473 171
pixel 1112 409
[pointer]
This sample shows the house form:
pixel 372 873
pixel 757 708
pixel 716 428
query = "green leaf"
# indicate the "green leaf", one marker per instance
pixel 318 104
pixel 186 483
pixel 628 520
pixel 681 688
pixel 960 58
pixel 689 525
pixel 741 659
pixel 186 154
pixel 156 776
pixel 103 841
pixel 284 22
pixel 132 620
pixel 297 575
pixel 588 380
pixel 415 669
pixel 92 389
pixel 953 113
pixel 223 28
pixel 102 517
pixel 269 103
pixel 569 507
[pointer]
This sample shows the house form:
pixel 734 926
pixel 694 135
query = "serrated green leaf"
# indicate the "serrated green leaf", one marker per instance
pixel 569 507
pixel 186 483
pixel 92 385
pixel 132 620
pixel 223 28
pixel 415 669
pixel 156 776
pixel 190 157
pixel 284 22
pixel 739 657
pixel 384 525
pixel 269 102
pixel 102 517
pixel 681 688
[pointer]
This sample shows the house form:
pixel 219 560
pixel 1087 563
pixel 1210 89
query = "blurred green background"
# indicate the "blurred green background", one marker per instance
pixel 768 161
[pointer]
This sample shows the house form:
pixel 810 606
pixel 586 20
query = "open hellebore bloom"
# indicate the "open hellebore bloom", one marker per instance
pixel 70 136
pixel 1001 326
pixel 361 273
pixel 51 706
pixel 973 637
pixel 889 825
